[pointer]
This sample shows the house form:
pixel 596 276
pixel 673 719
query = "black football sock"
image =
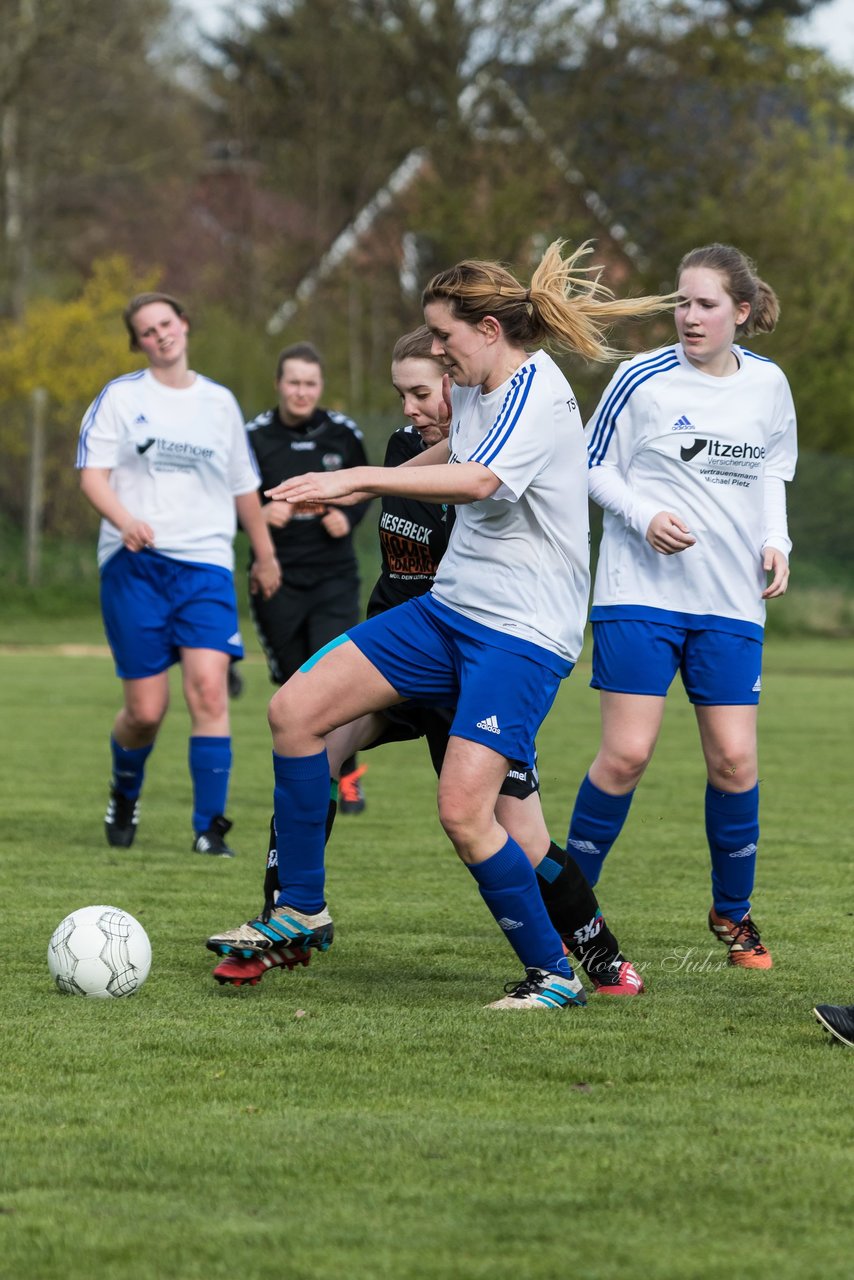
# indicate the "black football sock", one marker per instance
pixel 271 874
pixel 575 912
pixel 333 808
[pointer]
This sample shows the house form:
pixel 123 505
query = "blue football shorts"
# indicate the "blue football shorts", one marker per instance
pixel 502 687
pixel 154 606
pixel 718 668
pixel 407 721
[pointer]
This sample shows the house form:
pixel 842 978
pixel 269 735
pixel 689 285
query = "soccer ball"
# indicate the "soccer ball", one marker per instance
pixel 99 951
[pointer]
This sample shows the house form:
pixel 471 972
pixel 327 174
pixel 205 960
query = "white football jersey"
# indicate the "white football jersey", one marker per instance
pixel 177 458
pixel 518 561
pixel 703 448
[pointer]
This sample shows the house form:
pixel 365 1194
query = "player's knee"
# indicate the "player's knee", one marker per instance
pixel 292 715
pixel 624 766
pixel 463 822
pixel 208 696
pixel 279 712
pixel 451 824
pixel 734 765
pixel 143 720
pixel 461 833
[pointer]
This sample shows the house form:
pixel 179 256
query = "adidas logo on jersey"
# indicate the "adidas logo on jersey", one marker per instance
pixel 683 424
pixel 140 419
pixel 490 724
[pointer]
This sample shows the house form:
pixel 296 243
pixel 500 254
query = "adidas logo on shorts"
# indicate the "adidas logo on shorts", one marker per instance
pixel 490 724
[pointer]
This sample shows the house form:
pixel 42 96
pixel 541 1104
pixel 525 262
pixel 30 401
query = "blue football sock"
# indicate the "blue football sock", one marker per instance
pixel 597 820
pixel 732 828
pixel 129 768
pixel 301 806
pixel 508 886
pixel 210 770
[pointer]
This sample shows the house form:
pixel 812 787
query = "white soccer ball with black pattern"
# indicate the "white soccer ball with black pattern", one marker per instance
pixel 99 951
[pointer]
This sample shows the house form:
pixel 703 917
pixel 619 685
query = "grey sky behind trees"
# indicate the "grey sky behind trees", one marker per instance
pixel 831 26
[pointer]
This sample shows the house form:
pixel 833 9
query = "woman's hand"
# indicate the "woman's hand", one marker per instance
pixel 265 577
pixel 279 514
pixel 668 534
pixel 446 419
pixel 136 535
pixel 775 563
pixel 314 486
pixel 336 523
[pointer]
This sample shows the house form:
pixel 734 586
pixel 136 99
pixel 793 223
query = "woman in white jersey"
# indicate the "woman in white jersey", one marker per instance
pixel 688 454
pixel 164 460
pixel 503 622
pixel 409 564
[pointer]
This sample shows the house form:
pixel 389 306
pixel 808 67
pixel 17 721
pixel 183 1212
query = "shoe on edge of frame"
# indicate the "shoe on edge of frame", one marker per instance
pixel 540 989
pixel 838 1019
pixel 619 979
pixel 286 927
pixel 351 797
pixel 742 938
pixel 212 841
pixel 121 819
pixel 240 971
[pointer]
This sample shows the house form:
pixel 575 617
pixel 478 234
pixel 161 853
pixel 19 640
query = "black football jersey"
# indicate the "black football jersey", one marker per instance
pixel 327 441
pixel 413 534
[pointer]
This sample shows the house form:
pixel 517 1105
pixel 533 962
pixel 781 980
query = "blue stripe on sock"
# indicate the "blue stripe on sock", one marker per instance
pixel 549 870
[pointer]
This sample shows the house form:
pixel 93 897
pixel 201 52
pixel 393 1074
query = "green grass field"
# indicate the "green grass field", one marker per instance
pixel 365 1117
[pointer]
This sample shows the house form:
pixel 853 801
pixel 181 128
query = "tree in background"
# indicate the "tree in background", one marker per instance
pixel 327 97
pixel 240 178
pixel 69 350
pixel 708 132
pixel 332 100
pixel 99 136
pixel 680 119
